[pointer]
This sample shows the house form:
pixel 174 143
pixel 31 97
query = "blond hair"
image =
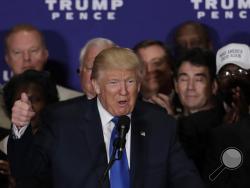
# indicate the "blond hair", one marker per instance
pixel 23 27
pixel 117 58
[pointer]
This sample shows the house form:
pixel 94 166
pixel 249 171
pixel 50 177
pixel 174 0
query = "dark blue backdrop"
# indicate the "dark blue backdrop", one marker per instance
pixel 68 24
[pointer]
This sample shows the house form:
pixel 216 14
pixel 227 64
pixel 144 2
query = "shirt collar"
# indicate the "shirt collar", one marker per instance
pixel 105 116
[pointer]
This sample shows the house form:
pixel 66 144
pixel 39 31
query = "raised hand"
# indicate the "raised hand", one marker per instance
pixel 164 101
pixel 22 111
pixel 237 108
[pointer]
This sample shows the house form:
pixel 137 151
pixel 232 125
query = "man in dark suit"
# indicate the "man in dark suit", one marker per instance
pixel 232 138
pixel 73 142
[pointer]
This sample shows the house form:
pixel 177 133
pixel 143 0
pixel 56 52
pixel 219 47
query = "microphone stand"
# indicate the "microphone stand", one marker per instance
pixel 111 162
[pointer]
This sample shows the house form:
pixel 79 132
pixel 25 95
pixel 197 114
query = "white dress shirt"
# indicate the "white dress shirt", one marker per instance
pixel 107 127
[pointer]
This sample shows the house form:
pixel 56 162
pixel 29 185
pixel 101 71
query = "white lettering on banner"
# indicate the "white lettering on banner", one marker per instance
pixel 6 75
pixel 243 14
pixel 243 4
pixel 51 4
pixel 69 16
pixel 211 4
pixel 217 9
pixel 83 16
pixel 55 15
pixel 115 4
pixel 81 5
pixel 102 5
pixel 83 9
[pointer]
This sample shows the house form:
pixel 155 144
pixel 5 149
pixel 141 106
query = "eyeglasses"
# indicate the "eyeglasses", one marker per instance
pixel 85 69
pixel 78 71
pixel 233 73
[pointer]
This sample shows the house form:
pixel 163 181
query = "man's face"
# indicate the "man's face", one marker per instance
pixel 194 87
pixel 231 73
pixel 25 51
pixel 86 70
pixel 117 90
pixel 190 37
pixel 158 71
pixel 231 76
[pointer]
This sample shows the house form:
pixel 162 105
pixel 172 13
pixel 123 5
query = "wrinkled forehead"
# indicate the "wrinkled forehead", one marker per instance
pixel 190 30
pixel 25 36
pixel 117 73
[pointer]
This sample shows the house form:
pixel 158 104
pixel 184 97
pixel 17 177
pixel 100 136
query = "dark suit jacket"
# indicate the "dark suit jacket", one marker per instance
pixel 229 136
pixel 194 131
pixel 70 147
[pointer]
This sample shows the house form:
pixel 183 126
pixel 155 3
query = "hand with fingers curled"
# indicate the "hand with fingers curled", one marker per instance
pixel 237 108
pixel 22 112
pixel 164 101
pixel 5 173
pixel 4 167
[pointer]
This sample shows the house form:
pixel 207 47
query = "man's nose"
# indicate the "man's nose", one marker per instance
pixel 123 88
pixel 189 45
pixel 26 56
pixel 150 68
pixel 190 84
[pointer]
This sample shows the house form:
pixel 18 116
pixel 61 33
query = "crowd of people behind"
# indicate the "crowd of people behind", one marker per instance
pixel 205 94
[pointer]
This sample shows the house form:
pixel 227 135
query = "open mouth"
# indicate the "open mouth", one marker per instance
pixel 123 103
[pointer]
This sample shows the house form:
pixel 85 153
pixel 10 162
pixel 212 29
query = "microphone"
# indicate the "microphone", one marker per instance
pixel 118 145
pixel 123 127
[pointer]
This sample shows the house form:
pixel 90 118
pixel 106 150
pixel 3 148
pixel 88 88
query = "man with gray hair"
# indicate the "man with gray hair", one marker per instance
pixel 104 148
pixel 87 56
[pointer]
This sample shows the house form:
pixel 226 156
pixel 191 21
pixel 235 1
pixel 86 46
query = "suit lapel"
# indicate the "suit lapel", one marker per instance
pixel 91 127
pixel 138 139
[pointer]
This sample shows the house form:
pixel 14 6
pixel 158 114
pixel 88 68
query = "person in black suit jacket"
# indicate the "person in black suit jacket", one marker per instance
pixel 71 147
pixel 229 143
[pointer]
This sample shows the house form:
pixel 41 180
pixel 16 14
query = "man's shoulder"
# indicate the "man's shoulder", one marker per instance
pixel 66 93
pixel 240 127
pixel 153 115
pixel 70 106
pixel 148 108
pixel 4 120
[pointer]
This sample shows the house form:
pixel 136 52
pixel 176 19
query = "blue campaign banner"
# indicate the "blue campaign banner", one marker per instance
pixel 68 24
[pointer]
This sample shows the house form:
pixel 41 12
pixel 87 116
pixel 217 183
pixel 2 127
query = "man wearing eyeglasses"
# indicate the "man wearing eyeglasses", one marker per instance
pixel 233 64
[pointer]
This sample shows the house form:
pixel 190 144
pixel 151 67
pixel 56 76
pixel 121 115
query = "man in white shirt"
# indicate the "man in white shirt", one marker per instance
pixel 25 49
pixel 72 149
pixel 87 56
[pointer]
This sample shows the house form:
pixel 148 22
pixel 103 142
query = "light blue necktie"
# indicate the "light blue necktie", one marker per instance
pixel 119 172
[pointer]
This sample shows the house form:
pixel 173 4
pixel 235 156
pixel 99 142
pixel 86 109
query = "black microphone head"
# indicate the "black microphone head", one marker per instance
pixel 124 123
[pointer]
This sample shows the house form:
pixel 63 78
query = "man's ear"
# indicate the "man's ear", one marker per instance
pixel 46 56
pixel 175 86
pixel 6 58
pixel 210 45
pixel 214 87
pixel 139 88
pixel 96 86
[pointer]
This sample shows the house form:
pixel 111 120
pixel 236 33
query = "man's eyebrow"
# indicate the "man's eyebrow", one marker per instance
pixel 156 59
pixel 182 74
pixel 201 75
